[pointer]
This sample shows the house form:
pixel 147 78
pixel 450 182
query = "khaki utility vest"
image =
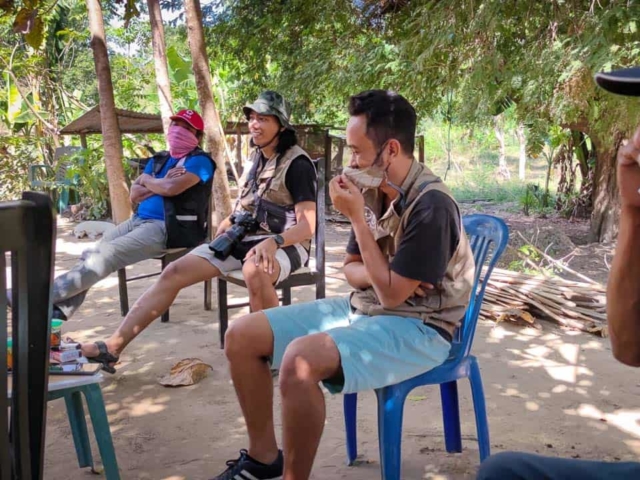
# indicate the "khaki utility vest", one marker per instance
pixel 443 306
pixel 268 183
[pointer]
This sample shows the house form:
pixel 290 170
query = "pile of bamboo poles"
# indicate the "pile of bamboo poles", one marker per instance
pixel 522 298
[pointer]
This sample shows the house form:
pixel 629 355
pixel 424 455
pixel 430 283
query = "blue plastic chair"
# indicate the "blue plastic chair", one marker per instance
pixel 488 236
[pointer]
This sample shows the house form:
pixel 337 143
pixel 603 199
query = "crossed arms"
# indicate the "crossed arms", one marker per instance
pixel 177 181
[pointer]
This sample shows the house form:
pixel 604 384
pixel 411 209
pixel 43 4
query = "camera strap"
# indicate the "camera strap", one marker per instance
pixel 254 175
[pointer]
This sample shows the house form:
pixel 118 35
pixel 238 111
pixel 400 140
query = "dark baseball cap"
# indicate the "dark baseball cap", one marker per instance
pixel 621 82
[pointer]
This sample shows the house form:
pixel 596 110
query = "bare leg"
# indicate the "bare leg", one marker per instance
pixel 262 293
pixel 182 273
pixel 248 342
pixel 307 361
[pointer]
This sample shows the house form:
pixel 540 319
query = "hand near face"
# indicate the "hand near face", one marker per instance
pixel 346 197
pixel 629 171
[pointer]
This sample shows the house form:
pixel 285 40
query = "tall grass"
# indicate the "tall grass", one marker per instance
pixel 474 163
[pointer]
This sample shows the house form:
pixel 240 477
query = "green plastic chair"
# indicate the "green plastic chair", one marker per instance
pixel 72 388
pixel 54 179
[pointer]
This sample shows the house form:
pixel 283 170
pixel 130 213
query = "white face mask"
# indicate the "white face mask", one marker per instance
pixel 369 177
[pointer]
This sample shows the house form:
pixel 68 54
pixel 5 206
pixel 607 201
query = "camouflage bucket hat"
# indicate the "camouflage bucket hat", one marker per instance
pixel 270 103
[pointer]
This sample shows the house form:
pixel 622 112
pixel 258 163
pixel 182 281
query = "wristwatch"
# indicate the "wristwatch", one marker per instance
pixel 279 240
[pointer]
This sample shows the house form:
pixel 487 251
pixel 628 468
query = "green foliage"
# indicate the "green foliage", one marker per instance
pixel 93 187
pixel 16 154
pixel 535 200
pixel 531 262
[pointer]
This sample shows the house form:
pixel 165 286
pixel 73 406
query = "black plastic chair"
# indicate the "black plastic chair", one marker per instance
pixel 314 274
pixel 170 255
pixel 29 239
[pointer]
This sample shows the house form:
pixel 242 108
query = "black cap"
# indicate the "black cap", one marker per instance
pixel 621 82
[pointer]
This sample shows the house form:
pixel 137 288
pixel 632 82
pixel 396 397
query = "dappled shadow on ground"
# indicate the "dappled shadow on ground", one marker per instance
pixel 551 391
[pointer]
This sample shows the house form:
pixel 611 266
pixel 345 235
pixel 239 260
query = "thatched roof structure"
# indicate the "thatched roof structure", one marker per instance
pixel 136 122
pixel 129 122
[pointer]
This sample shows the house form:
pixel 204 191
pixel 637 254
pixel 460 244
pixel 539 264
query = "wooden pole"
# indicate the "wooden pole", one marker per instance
pixel 160 62
pixel 213 127
pixel 111 136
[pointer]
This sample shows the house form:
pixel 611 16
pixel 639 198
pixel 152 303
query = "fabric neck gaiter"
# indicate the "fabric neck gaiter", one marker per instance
pixel 181 141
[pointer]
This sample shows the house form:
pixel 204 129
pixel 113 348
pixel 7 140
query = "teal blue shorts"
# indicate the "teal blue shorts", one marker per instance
pixel 374 351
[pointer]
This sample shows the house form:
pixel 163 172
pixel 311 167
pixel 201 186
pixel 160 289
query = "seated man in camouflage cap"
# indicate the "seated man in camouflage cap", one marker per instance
pixel 278 208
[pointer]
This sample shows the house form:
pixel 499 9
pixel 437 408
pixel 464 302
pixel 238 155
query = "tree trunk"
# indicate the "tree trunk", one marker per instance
pixel 111 137
pixel 582 153
pixel 503 170
pixel 606 205
pixel 160 62
pixel 522 140
pixel 213 128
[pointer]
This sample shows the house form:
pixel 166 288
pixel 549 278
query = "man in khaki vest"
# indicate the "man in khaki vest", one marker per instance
pixel 279 197
pixel 412 270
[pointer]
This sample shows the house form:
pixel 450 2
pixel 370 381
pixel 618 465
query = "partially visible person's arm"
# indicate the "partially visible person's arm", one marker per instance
pixel 623 289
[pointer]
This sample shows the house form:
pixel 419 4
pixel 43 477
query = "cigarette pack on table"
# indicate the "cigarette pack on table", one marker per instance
pixel 65 356
pixel 68 346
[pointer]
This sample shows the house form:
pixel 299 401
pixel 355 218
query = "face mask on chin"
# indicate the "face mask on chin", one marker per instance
pixel 371 176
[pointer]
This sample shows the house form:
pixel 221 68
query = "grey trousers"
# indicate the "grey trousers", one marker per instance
pixel 130 242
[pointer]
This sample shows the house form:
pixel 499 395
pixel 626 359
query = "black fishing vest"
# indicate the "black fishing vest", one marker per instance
pixel 186 215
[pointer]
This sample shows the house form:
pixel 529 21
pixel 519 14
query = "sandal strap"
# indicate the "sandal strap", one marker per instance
pixel 105 355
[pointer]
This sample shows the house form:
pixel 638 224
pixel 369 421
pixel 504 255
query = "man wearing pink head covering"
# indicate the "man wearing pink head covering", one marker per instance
pixel 172 196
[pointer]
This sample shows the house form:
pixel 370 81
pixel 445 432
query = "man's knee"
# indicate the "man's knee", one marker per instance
pixel 179 274
pixel 254 276
pixel 501 465
pixel 307 360
pixel 248 336
pixel 172 273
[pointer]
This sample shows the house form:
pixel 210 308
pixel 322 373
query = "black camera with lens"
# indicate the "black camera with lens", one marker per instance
pixel 243 223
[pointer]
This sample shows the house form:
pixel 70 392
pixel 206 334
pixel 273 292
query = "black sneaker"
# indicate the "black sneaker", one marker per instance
pixel 247 468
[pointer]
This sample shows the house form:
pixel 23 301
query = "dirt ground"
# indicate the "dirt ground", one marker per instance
pixel 554 392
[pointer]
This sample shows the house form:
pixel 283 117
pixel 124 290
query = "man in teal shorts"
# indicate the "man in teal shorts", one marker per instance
pixel 412 270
